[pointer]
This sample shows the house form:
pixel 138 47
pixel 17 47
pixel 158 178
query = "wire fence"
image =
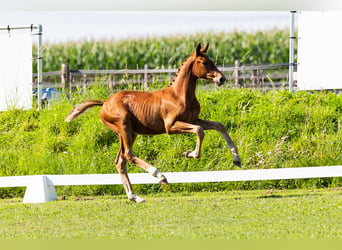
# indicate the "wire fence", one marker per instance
pixel 264 76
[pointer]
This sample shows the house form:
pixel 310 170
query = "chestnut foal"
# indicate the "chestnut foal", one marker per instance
pixel 173 110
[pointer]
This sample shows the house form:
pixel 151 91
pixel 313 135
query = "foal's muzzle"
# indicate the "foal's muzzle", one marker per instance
pixel 219 80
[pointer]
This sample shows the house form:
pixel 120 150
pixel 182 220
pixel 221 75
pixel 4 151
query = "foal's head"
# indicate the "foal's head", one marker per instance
pixel 205 68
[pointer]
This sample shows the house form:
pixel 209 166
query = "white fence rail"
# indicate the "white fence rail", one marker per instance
pixel 41 188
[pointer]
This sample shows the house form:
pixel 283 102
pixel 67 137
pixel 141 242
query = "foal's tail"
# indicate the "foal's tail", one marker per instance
pixel 79 109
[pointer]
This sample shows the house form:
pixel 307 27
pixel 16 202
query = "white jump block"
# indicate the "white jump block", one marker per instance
pixel 39 189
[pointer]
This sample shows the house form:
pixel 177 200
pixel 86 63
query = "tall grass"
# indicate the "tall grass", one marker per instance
pixel 271 130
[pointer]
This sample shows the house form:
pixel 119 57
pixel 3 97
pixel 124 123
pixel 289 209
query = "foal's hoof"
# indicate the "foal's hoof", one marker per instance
pixel 136 199
pixel 237 161
pixel 186 153
pixel 191 154
pixel 163 181
pixel 139 200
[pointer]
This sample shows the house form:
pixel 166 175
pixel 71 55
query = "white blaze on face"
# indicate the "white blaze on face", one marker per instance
pixel 219 79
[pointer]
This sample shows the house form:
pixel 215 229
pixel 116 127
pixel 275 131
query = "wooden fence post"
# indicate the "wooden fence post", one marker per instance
pixel 146 85
pixel 84 82
pixel 169 77
pixel 111 82
pixel 255 77
pixel 65 77
pixel 237 72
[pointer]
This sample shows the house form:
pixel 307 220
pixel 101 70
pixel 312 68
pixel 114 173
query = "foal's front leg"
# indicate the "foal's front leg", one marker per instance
pixel 208 125
pixel 182 128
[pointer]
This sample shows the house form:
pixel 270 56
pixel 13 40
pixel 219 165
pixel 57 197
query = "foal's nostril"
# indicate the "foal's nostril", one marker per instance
pixel 222 79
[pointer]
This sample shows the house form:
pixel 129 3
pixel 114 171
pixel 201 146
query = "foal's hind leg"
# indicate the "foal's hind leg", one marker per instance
pixel 126 154
pixel 121 162
pixel 122 169
pixel 207 125
pixel 129 156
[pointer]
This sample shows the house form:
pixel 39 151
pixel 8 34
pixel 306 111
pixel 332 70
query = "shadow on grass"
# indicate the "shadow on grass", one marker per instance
pixel 278 196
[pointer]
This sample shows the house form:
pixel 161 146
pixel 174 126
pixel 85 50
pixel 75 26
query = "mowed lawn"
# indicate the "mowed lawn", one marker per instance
pixel 265 214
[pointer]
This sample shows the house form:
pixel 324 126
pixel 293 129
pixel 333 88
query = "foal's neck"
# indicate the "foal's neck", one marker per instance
pixel 184 84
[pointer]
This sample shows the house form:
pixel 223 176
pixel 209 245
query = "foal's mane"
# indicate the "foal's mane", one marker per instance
pixel 179 69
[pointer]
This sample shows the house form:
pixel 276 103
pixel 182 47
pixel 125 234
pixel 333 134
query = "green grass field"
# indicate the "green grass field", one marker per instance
pixel 264 214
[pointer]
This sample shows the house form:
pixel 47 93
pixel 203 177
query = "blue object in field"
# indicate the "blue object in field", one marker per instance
pixel 49 95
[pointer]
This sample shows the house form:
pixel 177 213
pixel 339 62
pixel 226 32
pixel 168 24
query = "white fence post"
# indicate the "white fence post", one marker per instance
pixel 39 189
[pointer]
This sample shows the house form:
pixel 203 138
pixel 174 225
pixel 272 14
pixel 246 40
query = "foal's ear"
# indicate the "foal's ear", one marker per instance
pixel 205 48
pixel 198 49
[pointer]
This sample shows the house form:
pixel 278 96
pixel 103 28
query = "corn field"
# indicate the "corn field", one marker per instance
pixel 250 48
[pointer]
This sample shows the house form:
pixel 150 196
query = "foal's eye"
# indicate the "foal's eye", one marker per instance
pixel 204 63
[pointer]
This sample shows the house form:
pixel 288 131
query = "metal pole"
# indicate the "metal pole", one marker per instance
pixel 39 57
pixel 291 50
